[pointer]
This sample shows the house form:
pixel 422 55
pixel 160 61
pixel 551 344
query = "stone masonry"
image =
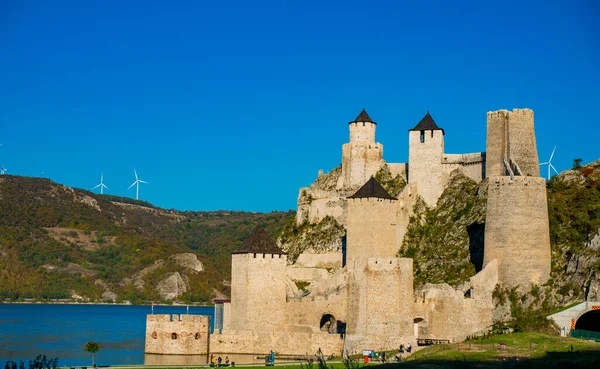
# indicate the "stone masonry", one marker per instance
pixel 363 298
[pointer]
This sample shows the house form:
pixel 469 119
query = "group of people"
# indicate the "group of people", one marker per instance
pixel 219 361
pixel 402 349
pixel 407 348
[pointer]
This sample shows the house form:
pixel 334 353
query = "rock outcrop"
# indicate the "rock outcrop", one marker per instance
pixel 171 287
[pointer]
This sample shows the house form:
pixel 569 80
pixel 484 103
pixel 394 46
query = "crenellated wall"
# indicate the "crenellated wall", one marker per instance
pixel 258 291
pixel 177 334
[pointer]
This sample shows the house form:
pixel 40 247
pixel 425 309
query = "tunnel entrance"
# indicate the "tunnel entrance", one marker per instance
pixel 589 321
pixel 328 324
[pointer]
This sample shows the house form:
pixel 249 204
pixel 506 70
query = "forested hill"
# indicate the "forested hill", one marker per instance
pixel 57 242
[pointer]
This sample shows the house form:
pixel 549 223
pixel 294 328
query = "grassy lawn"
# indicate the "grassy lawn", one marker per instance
pixel 531 350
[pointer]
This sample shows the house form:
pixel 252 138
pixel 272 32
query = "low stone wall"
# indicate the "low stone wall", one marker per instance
pixel 297 342
pixel 177 334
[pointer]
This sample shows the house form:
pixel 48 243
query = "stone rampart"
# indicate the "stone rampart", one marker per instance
pixel 284 342
pixel 517 231
pixel 258 291
pixel 471 165
pixel 380 304
pixel 312 311
pixel 177 334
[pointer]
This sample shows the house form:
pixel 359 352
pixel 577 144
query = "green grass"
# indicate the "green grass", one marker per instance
pixel 535 349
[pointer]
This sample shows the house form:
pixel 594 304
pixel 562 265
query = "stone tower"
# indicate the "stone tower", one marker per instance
pixel 362 156
pixel 258 290
pixel 516 227
pixel 380 285
pixel 425 151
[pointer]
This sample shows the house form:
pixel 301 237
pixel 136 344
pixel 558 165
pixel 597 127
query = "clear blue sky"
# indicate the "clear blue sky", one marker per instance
pixel 236 105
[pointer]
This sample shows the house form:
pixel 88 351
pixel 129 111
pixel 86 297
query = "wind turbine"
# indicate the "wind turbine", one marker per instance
pixel 136 184
pixel 2 169
pixel 549 163
pixel 101 185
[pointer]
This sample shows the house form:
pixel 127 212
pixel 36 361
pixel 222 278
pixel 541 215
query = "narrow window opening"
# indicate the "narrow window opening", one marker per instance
pixel 431 133
pixel 255 255
pixel 264 255
pixel 422 136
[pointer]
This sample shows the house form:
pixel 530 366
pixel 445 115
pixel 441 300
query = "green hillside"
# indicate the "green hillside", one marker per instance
pixel 62 243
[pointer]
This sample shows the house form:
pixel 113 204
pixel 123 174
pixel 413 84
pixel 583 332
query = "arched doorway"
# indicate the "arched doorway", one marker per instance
pixel 328 324
pixel 589 321
pixel 420 327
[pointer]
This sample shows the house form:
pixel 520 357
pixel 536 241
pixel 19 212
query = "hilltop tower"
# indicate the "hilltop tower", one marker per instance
pixel 380 285
pixel 258 290
pixel 425 151
pixel 362 156
pixel 517 231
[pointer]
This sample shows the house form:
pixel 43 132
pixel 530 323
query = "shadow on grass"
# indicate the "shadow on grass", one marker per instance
pixel 552 360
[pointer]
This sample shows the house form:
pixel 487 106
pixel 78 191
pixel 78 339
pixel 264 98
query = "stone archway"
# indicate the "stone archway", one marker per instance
pixel 589 321
pixel 328 324
pixel 420 327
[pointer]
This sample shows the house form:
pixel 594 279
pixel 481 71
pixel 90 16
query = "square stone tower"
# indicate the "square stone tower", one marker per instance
pixel 380 285
pixel 258 290
pixel 425 151
pixel 362 156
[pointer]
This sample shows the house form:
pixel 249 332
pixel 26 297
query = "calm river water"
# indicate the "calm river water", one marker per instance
pixel 62 330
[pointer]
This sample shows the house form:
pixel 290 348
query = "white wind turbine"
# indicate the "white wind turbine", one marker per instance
pixel 2 169
pixel 101 185
pixel 136 184
pixel 549 163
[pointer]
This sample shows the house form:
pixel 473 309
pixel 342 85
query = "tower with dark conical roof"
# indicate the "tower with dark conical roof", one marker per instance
pixel 425 152
pixel 258 290
pixel 380 290
pixel 362 156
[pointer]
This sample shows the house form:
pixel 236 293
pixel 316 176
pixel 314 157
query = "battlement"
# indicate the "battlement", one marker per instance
pixel 464 159
pixel 176 318
pixel 371 200
pixel 177 334
pixel 497 182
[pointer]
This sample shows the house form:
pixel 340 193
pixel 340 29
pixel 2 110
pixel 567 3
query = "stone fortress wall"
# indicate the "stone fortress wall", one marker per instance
pixel 369 302
pixel 177 334
pixel 429 168
pixel 258 286
pixel 517 230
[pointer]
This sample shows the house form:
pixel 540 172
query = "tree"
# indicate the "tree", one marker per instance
pixel 577 163
pixel 92 347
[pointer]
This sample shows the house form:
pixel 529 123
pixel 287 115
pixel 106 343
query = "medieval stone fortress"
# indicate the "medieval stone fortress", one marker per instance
pixel 362 294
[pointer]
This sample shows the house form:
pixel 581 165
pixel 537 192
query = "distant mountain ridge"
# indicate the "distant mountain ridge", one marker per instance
pixel 58 242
